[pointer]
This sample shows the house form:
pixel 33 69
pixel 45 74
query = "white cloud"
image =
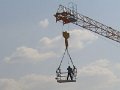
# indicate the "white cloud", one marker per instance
pixel 96 75
pixel 55 44
pixel 100 67
pixel 118 66
pixel 99 81
pixel 78 39
pixel 9 84
pixel 23 54
pixel 29 82
pixel 44 23
pixel 35 82
pixel 50 47
pixel 99 75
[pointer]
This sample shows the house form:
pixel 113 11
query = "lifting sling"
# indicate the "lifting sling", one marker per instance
pixel 59 73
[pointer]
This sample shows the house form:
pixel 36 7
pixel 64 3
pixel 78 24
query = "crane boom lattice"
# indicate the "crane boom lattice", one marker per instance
pixel 66 15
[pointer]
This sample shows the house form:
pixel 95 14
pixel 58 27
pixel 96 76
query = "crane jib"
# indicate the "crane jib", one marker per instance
pixel 66 15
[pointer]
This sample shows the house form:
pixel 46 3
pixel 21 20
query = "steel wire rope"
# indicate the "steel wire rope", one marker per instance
pixel 62 58
pixel 70 57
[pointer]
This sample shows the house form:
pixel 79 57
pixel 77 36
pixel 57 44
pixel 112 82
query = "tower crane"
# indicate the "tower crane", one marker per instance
pixel 67 15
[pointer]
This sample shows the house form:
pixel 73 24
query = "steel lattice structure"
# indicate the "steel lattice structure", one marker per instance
pixel 66 15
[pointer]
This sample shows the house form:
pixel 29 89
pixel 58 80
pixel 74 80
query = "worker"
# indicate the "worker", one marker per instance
pixel 70 73
pixel 66 36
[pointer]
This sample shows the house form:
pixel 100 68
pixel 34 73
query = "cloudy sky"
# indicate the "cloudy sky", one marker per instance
pixel 31 46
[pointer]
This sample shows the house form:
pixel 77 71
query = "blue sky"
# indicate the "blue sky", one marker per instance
pixel 32 45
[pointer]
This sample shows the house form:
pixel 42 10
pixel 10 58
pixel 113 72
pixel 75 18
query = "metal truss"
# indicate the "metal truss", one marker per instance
pixel 66 15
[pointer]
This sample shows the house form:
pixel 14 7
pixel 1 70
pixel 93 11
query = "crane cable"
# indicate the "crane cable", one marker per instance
pixel 63 58
pixel 58 71
pixel 70 57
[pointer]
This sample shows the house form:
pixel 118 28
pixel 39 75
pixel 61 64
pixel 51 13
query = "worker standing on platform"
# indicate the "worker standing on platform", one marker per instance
pixel 70 73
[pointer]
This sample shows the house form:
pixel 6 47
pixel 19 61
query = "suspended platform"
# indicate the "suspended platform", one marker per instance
pixel 65 81
pixel 62 77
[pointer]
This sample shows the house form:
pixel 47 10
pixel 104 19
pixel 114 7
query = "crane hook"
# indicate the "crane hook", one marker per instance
pixel 66 36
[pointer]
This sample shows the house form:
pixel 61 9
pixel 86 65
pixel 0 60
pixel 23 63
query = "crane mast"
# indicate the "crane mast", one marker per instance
pixel 67 15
